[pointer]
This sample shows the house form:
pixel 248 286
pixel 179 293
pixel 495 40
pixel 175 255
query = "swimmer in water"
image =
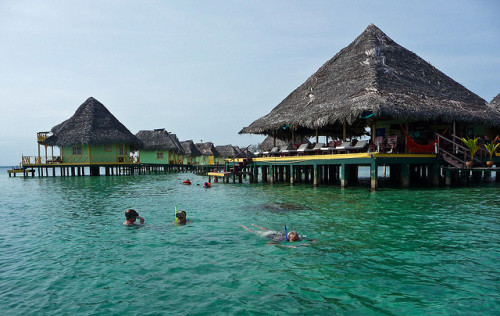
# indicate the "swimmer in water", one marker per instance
pixel 275 237
pixel 181 218
pixel 131 216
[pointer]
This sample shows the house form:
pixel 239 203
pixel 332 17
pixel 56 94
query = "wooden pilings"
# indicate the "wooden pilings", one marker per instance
pixel 402 175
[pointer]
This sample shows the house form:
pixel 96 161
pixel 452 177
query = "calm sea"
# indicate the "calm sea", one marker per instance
pixel 64 250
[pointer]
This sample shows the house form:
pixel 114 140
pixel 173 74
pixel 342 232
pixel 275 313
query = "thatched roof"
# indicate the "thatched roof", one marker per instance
pixel 190 150
pixel 373 75
pixel 92 124
pixel 495 103
pixel 159 139
pixel 227 150
pixel 207 149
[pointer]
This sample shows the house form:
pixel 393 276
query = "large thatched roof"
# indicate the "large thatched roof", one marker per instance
pixel 159 139
pixel 373 75
pixel 207 149
pixel 190 150
pixel 92 124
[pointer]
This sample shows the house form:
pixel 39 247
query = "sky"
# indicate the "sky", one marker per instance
pixel 205 69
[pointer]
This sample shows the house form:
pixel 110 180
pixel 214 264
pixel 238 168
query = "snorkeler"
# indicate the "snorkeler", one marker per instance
pixel 275 236
pixel 131 216
pixel 181 218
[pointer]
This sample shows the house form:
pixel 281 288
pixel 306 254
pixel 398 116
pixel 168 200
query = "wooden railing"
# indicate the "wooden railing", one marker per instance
pixel 454 148
pixel 95 159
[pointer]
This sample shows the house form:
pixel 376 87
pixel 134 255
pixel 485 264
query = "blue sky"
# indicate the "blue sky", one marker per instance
pixel 206 69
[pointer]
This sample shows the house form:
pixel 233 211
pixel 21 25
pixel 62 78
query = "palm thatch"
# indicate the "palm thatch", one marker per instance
pixel 227 151
pixel 207 149
pixel 160 139
pixel 190 150
pixel 92 124
pixel 495 103
pixel 373 76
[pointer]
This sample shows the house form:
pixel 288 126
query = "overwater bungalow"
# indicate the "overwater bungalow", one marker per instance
pixel 377 89
pixel 208 153
pixel 226 152
pixel 191 153
pixel 160 147
pixel 92 137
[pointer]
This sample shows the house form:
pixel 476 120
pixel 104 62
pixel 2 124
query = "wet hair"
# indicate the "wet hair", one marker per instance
pixel 130 213
pixel 292 236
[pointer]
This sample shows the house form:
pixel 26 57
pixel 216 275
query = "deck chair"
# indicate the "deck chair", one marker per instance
pixel 331 147
pixel 284 149
pixel 302 148
pixel 288 151
pixel 392 144
pixel 377 144
pixel 343 147
pixel 271 152
pixel 359 146
pixel 315 149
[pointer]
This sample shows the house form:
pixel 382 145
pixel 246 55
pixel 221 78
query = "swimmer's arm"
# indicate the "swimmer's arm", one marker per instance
pixel 247 229
pixel 141 220
pixel 261 228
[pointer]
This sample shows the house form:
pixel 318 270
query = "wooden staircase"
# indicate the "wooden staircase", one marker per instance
pixel 238 168
pixel 453 152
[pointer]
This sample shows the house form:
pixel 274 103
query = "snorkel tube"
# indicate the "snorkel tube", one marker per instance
pixel 176 214
pixel 286 235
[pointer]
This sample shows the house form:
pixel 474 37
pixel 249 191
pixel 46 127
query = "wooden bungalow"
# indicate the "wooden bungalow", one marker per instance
pixel 191 153
pixel 377 85
pixel 91 137
pixel 160 147
pixel 377 88
pixel 208 153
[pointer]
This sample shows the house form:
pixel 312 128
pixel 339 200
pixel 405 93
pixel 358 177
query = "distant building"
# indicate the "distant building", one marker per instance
pixel 160 147
pixel 93 136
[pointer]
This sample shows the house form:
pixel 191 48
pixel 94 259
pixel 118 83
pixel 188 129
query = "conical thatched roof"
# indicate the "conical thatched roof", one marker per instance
pixel 159 139
pixel 207 149
pixel 92 124
pixel 373 75
pixel 495 103
pixel 190 150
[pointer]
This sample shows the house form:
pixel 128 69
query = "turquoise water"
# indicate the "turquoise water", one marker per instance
pixel 64 250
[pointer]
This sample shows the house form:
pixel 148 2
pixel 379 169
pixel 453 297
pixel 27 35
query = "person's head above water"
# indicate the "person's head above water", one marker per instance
pixel 293 236
pixel 131 214
pixel 181 217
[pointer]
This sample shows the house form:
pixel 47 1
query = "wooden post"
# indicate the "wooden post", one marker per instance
pixel 343 175
pixel 435 174
pixel 292 176
pixel 315 175
pixel 405 175
pixel 344 132
pixel 374 174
